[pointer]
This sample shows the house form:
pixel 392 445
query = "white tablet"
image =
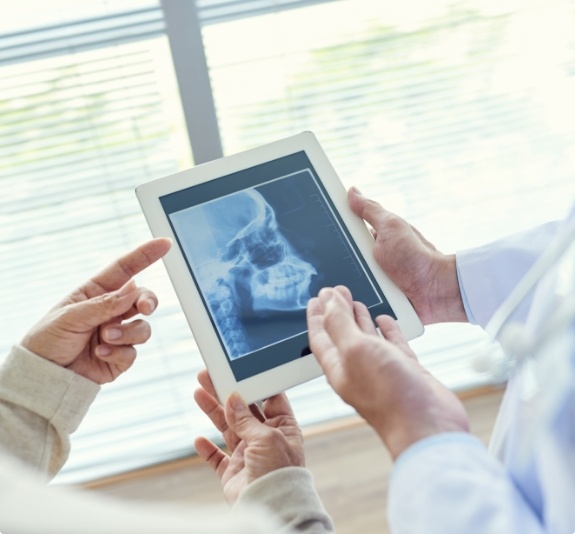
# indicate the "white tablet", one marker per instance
pixel 256 235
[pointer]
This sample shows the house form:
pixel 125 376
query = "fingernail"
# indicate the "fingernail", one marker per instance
pixel 237 403
pixel 102 350
pixel 113 334
pixel 325 295
pixel 356 191
pixel 152 304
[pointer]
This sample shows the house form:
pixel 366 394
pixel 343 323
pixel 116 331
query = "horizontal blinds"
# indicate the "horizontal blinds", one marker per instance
pixel 452 110
pixel 217 11
pixel 78 133
pixel 82 34
pixel 440 113
pixel 415 106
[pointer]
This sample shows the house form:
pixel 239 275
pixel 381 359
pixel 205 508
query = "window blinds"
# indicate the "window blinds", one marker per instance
pixel 217 11
pixel 80 128
pixel 450 114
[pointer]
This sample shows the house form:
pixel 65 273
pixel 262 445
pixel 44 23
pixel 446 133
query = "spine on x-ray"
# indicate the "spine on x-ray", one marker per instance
pixel 225 312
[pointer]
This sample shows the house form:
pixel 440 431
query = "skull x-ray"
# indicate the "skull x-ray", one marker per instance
pixel 245 266
pixel 259 244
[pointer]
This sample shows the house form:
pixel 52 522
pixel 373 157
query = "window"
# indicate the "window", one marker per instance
pixel 457 115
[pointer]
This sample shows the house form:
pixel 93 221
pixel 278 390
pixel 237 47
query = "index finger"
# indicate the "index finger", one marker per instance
pixel 115 275
pixel 339 319
pixel 319 339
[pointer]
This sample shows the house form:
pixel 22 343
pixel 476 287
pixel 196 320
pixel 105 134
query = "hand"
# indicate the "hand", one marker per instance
pixel 426 276
pixel 379 376
pixel 87 333
pixel 258 442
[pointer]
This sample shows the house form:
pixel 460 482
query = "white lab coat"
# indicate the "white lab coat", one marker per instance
pixel 451 483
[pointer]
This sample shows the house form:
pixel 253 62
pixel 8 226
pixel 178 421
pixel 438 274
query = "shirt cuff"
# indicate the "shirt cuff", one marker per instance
pixel 47 389
pixel 438 440
pixel 466 306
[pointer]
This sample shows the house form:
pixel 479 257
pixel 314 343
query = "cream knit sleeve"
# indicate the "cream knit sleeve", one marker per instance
pixel 41 404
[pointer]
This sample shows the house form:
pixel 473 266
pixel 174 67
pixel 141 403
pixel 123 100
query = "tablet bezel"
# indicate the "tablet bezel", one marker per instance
pixel 301 369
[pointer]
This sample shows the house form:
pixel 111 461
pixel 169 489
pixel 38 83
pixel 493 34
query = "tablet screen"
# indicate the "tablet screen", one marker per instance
pixel 259 243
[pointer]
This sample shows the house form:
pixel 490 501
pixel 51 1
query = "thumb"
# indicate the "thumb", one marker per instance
pixel 93 312
pixel 240 419
pixel 369 210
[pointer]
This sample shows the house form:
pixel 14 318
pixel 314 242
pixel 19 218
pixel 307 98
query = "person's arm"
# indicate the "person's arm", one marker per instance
pixel 444 480
pixel 450 483
pixel 274 503
pixel 264 465
pixel 48 381
pixel 466 286
pixel 41 404
pixel 426 275
pixel 27 505
pixel 289 494
pixel 379 375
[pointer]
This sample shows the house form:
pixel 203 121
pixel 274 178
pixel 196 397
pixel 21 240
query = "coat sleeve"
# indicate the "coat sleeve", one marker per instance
pixel 487 274
pixel 28 505
pixel 41 404
pixel 450 483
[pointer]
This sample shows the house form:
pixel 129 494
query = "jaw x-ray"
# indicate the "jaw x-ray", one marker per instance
pixel 259 246
pixel 249 273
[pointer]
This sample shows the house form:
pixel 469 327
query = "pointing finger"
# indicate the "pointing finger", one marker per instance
pixel 124 268
pixel 339 320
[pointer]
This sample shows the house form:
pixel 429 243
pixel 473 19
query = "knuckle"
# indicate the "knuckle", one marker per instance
pixel 276 438
pixel 353 346
pixel 393 222
pixel 109 301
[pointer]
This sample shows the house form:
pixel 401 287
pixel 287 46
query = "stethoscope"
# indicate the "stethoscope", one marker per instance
pixel 508 341
pixel 514 348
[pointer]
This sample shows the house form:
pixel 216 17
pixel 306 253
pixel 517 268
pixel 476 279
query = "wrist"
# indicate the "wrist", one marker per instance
pixel 447 302
pixel 400 440
pixel 404 431
pixel 28 343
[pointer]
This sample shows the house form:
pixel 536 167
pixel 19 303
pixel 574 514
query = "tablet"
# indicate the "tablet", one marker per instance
pixel 256 235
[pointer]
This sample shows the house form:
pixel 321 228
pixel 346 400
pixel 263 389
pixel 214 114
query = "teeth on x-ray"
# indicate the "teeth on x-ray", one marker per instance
pixel 258 270
pixel 283 286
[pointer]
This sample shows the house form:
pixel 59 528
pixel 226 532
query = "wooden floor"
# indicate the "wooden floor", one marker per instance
pixel 350 466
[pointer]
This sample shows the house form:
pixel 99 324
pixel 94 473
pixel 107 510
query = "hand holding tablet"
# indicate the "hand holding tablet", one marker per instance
pixel 257 234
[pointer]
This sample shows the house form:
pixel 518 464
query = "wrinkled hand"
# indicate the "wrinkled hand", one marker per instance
pixel 379 376
pixel 426 276
pixel 258 441
pixel 87 331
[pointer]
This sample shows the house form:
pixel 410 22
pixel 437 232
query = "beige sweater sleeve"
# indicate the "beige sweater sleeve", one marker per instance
pixel 41 404
pixel 60 510
pixel 290 493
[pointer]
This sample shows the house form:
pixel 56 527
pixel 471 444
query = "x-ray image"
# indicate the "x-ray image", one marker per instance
pixel 259 254
pixel 259 243
pixel 246 268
